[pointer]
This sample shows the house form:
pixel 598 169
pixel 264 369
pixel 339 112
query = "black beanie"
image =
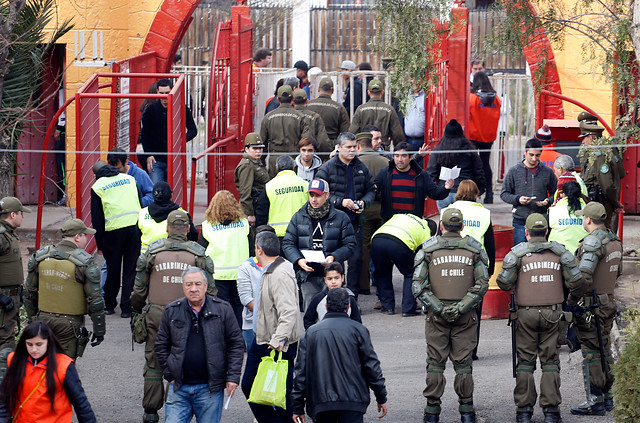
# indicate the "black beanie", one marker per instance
pixel 161 192
pixel 453 129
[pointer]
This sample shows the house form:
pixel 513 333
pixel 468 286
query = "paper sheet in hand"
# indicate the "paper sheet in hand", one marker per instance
pixel 446 173
pixel 314 256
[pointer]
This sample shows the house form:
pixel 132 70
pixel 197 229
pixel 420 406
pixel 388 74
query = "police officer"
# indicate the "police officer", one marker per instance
pixel 313 120
pixel 600 258
pixel 11 214
pixel 63 285
pixel 251 175
pixel 282 128
pixel 396 242
pixel 539 271
pixel 450 279
pixel 333 114
pixel 158 281
pixel 282 197
pixel 378 113
pixel 602 169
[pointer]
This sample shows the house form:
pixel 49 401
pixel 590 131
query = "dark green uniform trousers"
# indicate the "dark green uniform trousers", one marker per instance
pixel 599 381
pixel 9 321
pixel 455 341
pixel 537 332
pixel 153 396
pixel 67 330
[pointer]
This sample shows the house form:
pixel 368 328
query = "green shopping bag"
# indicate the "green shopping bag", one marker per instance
pixel 270 385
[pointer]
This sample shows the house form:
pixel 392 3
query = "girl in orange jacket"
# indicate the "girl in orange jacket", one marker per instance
pixel 42 383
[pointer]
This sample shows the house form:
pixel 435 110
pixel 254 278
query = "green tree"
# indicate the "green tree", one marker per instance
pixel 24 44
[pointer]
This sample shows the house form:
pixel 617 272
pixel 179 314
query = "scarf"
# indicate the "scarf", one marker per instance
pixel 320 212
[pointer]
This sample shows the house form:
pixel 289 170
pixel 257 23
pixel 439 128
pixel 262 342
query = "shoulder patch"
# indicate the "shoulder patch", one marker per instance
pixel 604 168
pixel 82 256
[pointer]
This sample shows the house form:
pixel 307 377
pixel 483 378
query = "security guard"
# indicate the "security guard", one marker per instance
pixel 282 197
pixel 115 206
pixel 11 214
pixel 158 281
pixel 539 271
pixel 378 113
pixel 313 120
pixel 600 258
pixel 450 279
pixel 282 128
pixel 396 242
pixel 251 175
pixel 63 285
pixel 602 169
pixel 333 114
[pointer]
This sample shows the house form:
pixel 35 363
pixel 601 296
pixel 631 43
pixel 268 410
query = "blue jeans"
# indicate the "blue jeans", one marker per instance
pixel 451 198
pixel 249 337
pixel 518 234
pixel 158 173
pixel 103 276
pixel 192 400
pixel 415 142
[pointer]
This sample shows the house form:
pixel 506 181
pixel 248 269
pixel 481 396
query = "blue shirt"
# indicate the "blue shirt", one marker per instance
pixel 145 186
pixel 414 119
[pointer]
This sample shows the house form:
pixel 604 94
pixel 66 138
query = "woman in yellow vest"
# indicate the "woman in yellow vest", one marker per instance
pixel 477 224
pixel 225 235
pixel 565 227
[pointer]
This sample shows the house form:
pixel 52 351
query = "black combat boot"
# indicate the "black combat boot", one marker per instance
pixel 150 416
pixel 431 418
pixel 608 402
pixel 552 417
pixel 589 408
pixel 468 417
pixel 523 416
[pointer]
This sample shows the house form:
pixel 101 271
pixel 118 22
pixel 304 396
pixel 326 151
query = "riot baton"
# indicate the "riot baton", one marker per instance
pixel 596 307
pixel 512 323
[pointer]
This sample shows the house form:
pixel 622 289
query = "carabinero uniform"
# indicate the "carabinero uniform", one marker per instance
pixel 451 276
pixel 10 284
pixel 250 178
pixel 602 175
pixel 600 258
pixel 539 271
pixel 62 286
pixel 158 283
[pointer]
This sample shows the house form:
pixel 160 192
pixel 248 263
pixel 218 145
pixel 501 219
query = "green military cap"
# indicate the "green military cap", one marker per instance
pixel 452 215
pixel 593 210
pixel 98 165
pixel 298 94
pixel 179 217
pixel 376 86
pixel 326 84
pixel 587 116
pixel 285 92
pixel 12 204
pixel 74 227
pixel 588 128
pixel 253 139
pixel 364 135
pixel 536 221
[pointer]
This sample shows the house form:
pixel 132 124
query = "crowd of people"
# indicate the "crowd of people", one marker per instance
pixel 267 269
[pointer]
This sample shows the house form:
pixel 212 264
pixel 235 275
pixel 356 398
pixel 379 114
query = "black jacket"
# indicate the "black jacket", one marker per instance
pixel 470 167
pixel 425 187
pixel 223 340
pixel 335 367
pixel 153 134
pixel 338 238
pixel 311 315
pixel 334 172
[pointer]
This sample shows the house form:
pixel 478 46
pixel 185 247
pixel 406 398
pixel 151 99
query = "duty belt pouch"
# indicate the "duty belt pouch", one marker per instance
pixel 583 322
pixel 603 299
pixel 139 328
pixel 563 326
pixel 83 340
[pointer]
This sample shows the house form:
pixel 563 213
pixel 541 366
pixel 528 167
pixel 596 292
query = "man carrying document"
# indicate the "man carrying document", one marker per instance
pixel 318 234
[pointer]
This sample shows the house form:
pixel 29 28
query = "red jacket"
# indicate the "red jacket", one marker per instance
pixel 484 117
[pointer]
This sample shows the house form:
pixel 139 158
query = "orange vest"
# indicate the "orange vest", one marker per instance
pixel 548 156
pixel 38 407
pixel 483 121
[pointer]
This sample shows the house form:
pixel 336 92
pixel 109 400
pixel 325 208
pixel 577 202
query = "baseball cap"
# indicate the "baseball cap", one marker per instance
pixel 326 84
pixel 452 215
pixel 318 186
pixel 302 65
pixel 12 204
pixel 74 227
pixel 536 221
pixel 98 165
pixel 253 139
pixel 161 192
pixel 593 210
pixel 376 86
pixel 298 94
pixel 178 216
pixel 285 92
pixel 348 65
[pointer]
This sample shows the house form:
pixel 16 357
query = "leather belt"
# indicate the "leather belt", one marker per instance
pixel 543 307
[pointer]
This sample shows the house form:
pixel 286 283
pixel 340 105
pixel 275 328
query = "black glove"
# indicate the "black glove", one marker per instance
pixel 6 302
pixel 96 340
pixel 579 311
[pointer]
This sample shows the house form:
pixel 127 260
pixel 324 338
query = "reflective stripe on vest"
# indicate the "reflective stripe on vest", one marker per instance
pixel 287 193
pixel 564 228
pixel 228 247
pixel 150 229
pixel 120 201
pixel 476 219
pixel 58 290
pixel 409 229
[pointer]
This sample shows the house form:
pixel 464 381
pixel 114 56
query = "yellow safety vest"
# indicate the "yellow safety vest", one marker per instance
pixel 476 219
pixel 287 193
pixel 410 229
pixel 151 230
pixel 228 247
pixel 565 229
pixel 120 201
